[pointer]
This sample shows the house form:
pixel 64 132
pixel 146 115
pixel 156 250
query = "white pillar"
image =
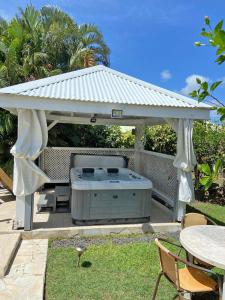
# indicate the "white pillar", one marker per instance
pixel 181 210
pixel 139 133
pixel 20 211
pixel 185 162
pixel 24 212
pixel 139 145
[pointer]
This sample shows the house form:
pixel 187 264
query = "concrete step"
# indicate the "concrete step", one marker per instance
pixel 26 277
pixel 8 246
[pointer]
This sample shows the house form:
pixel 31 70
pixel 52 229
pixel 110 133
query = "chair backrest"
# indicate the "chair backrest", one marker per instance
pixel 168 263
pixel 193 219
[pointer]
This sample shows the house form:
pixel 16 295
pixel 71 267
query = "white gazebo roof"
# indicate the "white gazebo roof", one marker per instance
pixel 97 90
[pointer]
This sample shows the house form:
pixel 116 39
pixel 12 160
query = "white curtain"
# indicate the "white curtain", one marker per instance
pixel 31 139
pixel 184 161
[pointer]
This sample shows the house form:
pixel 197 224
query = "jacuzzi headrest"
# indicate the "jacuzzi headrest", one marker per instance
pixel 98 161
pixel 88 170
pixel 113 170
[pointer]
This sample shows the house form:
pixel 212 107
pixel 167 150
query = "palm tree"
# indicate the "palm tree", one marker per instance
pixel 41 43
pixel 89 48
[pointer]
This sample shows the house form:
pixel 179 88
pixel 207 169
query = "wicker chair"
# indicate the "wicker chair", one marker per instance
pixel 190 279
pixel 193 219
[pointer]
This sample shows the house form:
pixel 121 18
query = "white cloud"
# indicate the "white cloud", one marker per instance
pixel 165 75
pixel 191 83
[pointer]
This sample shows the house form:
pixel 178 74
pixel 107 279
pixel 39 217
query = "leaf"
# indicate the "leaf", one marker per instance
pixel 198 80
pixel 204 86
pixel 216 167
pixel 206 34
pixel 205 169
pixel 218 27
pixel 198 44
pixel 3 48
pixel 215 85
pixel 203 95
pixel 207 20
pixel 221 111
pixel 206 181
pixel 193 94
pixel 220 59
pixel 220 51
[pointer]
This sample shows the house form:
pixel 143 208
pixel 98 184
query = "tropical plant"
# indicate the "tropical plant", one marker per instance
pixel 7 139
pixel 161 138
pixel 216 39
pixel 45 42
pixel 209 175
pixel 41 43
pixel 209 141
pixel 90 48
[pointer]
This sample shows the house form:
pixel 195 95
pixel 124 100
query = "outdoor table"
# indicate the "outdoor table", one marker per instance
pixel 207 243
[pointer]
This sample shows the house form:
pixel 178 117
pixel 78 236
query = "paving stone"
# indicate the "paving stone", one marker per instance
pixel 8 246
pixel 25 280
pixel 22 288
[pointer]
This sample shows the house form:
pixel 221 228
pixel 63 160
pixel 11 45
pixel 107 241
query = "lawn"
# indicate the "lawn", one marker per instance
pixel 112 271
pixel 213 211
pixel 108 272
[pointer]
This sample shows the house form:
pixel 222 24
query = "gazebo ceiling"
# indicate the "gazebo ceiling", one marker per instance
pixel 99 90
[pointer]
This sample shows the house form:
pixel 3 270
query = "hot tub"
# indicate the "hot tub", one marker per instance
pixel 104 195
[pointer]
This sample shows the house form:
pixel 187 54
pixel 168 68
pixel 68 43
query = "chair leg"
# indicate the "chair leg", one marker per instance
pixel 157 285
pixel 220 288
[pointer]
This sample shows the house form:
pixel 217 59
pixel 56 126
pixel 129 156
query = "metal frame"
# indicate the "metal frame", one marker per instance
pixel 178 259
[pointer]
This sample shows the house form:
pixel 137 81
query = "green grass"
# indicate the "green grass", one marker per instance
pixel 116 272
pixel 213 211
pixel 124 272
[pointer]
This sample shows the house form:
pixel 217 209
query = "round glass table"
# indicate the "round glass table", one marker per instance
pixel 207 243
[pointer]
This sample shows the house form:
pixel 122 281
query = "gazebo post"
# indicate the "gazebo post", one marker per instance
pixel 20 211
pixel 27 176
pixel 24 212
pixel 184 161
pixel 139 133
pixel 28 216
pixel 139 145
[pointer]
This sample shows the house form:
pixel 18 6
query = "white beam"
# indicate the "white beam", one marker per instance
pixel 90 107
pixel 50 126
pixel 99 121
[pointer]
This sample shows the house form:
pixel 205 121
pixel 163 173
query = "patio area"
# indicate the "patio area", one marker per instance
pixel 63 220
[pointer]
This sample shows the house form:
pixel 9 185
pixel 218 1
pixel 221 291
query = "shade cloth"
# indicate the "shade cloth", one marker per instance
pixel 31 139
pixel 185 159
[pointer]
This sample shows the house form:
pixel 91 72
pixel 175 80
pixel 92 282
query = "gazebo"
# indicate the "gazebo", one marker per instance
pixel 99 95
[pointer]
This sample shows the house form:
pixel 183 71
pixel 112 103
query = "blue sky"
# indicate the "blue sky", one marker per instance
pixel 152 40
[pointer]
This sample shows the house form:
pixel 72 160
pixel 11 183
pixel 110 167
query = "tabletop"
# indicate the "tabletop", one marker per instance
pixel 205 242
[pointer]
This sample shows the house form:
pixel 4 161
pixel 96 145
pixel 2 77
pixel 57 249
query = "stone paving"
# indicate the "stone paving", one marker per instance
pixel 26 277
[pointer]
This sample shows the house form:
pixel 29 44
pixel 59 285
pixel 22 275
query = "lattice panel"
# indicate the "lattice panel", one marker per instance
pixel 55 162
pixel 160 170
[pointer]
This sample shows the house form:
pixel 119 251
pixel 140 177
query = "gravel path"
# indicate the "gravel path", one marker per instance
pixel 78 241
